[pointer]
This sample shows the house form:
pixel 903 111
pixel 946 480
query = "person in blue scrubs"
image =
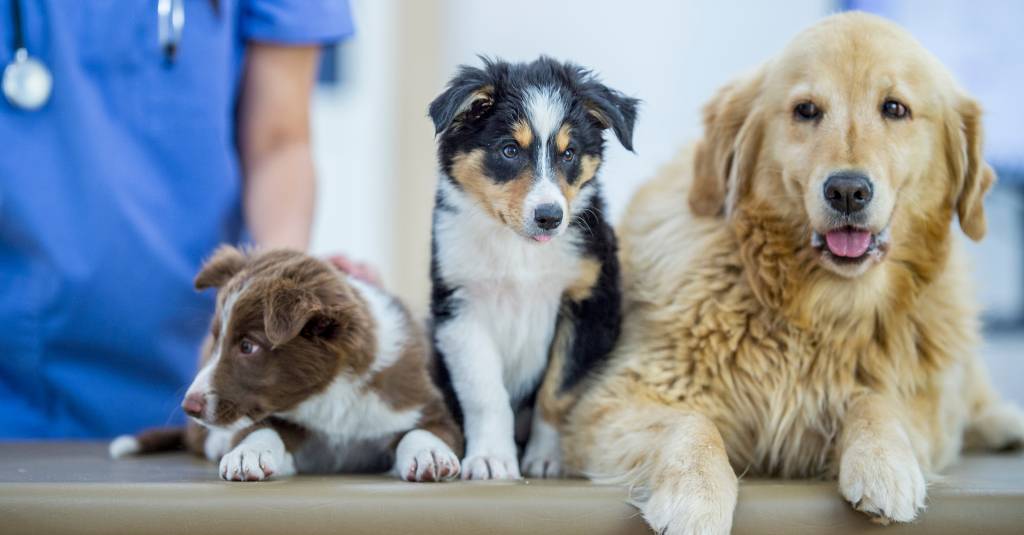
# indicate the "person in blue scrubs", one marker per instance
pixel 135 169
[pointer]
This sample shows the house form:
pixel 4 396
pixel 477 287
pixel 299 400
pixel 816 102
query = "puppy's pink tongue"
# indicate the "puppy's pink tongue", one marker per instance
pixel 848 243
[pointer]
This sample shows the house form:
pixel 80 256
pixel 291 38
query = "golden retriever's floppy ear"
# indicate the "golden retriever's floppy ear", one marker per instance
pixel 964 151
pixel 225 262
pixel 726 117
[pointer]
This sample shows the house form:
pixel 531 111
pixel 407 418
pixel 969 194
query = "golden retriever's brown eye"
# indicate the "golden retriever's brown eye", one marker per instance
pixel 894 109
pixel 806 111
pixel 248 347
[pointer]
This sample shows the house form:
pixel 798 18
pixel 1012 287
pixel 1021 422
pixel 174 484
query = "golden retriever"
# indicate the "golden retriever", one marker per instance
pixel 796 304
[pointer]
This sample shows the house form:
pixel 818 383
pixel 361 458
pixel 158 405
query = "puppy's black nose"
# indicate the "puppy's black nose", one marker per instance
pixel 548 216
pixel 848 192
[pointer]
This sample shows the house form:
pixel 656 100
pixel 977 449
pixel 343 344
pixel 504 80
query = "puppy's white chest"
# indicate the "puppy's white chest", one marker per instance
pixel 350 428
pixel 509 287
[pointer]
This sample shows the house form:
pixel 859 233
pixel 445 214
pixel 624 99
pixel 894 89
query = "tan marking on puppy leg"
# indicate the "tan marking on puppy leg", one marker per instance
pixel 522 133
pixel 563 137
pixel 583 286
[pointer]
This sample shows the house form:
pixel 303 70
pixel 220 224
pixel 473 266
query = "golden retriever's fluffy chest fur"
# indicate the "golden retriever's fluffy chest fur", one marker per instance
pixel 710 332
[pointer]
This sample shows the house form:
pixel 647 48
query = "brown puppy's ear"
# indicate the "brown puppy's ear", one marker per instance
pixel 728 115
pixel 975 176
pixel 225 262
pixel 287 312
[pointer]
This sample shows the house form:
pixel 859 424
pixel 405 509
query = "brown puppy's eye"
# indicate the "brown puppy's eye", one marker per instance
pixel 248 347
pixel 510 151
pixel 568 155
pixel 806 111
pixel 894 109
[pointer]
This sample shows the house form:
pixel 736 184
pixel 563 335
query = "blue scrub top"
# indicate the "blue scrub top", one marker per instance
pixel 110 198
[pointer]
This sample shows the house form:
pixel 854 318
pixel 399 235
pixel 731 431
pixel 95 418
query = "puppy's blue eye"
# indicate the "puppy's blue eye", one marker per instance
pixel 510 151
pixel 568 155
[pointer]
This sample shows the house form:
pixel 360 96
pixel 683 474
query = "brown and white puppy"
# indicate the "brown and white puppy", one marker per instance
pixel 308 370
pixel 795 300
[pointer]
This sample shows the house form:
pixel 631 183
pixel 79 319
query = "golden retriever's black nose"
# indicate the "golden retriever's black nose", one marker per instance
pixel 548 216
pixel 848 192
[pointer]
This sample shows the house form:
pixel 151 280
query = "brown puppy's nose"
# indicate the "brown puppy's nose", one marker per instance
pixel 194 404
pixel 848 192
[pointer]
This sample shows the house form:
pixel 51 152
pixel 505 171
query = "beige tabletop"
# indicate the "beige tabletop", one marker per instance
pixel 63 487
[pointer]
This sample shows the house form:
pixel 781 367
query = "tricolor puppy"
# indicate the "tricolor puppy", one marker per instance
pixel 308 370
pixel 525 278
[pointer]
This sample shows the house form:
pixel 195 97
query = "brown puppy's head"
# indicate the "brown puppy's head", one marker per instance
pixel 858 133
pixel 286 325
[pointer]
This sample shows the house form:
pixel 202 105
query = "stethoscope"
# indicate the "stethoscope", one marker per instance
pixel 27 81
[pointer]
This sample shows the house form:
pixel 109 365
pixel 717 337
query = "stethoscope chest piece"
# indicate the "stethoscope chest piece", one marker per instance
pixel 27 83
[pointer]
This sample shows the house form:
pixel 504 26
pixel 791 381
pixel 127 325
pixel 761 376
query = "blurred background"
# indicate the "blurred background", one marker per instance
pixel 374 142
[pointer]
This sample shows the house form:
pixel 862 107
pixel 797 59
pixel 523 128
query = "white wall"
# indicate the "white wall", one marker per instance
pixel 352 131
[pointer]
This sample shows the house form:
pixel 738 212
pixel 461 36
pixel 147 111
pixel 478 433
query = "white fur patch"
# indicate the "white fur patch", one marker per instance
pixel 543 455
pixel 217 443
pixel 421 456
pixel 124 446
pixel 259 456
pixel 390 329
pixel 351 426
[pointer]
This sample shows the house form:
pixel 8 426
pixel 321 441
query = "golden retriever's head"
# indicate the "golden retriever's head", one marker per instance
pixel 857 131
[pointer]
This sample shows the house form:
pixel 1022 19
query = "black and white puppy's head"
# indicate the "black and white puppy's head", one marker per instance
pixel 524 140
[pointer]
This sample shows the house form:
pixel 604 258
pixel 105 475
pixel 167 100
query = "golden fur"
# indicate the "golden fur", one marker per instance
pixel 744 351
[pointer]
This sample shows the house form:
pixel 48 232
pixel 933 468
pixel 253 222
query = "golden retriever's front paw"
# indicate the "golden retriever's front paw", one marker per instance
pixel 1000 427
pixel 694 502
pixel 884 482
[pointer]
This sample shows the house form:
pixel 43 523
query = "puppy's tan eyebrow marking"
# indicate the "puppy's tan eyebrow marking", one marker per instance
pixel 522 133
pixel 562 138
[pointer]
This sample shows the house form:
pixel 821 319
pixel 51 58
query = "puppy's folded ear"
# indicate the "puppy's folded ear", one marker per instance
pixel 970 171
pixel 468 97
pixel 225 263
pixel 731 129
pixel 610 108
pixel 288 309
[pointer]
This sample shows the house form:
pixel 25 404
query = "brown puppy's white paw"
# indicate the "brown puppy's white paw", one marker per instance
pixel 421 456
pixel 884 481
pixel 490 467
pixel 1000 427
pixel 245 463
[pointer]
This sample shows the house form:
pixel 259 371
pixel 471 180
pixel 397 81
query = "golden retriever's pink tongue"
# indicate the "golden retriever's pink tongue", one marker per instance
pixel 849 243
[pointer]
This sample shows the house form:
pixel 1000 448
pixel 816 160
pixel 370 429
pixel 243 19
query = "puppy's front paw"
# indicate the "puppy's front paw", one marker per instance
pixel 248 464
pixel 421 456
pixel 429 465
pixel 490 467
pixel 543 456
pixel 885 482
pixel 543 467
